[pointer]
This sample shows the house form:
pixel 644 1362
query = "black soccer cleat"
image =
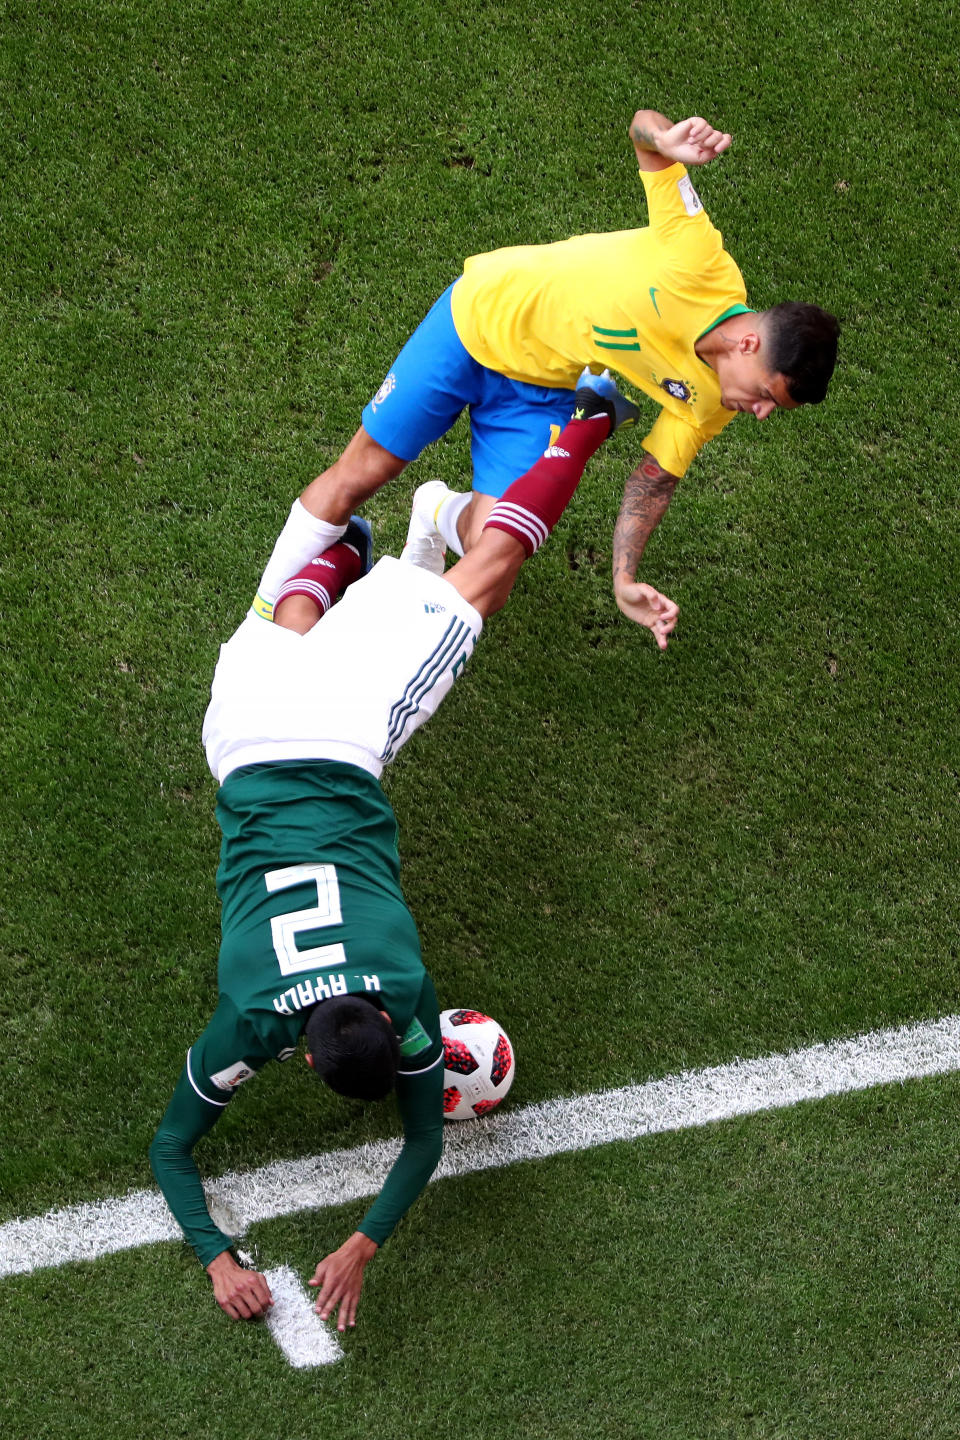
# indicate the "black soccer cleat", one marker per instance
pixel 598 395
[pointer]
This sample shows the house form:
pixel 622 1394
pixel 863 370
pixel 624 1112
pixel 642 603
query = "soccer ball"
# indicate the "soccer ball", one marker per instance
pixel 478 1064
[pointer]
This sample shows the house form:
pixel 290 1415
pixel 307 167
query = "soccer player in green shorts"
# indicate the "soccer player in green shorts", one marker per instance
pixel 664 305
pixel 307 706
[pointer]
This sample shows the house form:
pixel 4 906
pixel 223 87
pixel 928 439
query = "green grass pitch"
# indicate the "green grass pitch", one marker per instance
pixel 218 224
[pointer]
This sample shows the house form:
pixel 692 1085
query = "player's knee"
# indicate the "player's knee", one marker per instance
pixel 361 470
pixel 486 575
pixel 297 612
pixel 366 465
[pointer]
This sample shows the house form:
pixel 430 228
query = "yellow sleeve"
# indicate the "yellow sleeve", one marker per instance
pixel 677 217
pixel 674 443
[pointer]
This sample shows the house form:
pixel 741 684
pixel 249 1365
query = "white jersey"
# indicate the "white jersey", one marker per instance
pixel 354 688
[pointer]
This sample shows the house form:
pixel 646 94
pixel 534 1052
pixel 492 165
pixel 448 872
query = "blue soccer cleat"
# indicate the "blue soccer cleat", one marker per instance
pixel 598 395
pixel 359 536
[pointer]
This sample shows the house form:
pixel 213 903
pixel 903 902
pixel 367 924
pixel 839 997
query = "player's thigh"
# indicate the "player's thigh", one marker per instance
pixel 355 687
pixel 429 383
pixel 382 660
pixel 255 669
pixel 510 428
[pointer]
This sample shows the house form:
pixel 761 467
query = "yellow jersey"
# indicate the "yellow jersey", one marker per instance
pixel 634 300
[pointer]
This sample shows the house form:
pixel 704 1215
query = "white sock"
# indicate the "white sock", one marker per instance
pixel 447 516
pixel 303 537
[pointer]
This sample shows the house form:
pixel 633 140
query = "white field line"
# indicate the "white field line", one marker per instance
pixel 295 1325
pixel 677 1102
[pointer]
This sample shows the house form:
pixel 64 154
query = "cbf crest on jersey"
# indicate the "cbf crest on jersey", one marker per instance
pixel 679 389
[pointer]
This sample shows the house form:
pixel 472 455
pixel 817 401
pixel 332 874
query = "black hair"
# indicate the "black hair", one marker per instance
pixel 353 1047
pixel 803 348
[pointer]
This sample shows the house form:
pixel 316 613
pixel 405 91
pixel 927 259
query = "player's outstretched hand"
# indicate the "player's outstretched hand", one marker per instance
pixel 692 142
pixel 648 607
pixel 340 1277
pixel 241 1294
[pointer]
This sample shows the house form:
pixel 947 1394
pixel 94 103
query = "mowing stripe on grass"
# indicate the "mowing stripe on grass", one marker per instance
pixel 744 1087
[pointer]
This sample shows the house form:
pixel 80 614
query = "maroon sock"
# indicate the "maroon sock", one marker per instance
pixel 532 505
pixel 324 579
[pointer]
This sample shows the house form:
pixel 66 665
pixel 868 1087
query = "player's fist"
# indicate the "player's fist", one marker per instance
pixel 241 1294
pixel 692 142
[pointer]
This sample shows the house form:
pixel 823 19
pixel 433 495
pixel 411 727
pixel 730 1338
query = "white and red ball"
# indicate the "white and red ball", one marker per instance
pixel 478 1063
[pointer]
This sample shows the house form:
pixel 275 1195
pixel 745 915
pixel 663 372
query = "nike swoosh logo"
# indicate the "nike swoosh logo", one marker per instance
pixel 653 297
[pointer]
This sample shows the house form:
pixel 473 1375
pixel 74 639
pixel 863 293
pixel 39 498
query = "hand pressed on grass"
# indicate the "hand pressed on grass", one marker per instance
pixel 340 1277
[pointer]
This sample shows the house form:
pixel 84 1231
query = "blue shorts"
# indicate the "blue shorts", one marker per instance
pixel 430 382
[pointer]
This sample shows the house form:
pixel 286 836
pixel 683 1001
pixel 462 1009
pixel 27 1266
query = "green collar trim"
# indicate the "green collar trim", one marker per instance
pixel 727 314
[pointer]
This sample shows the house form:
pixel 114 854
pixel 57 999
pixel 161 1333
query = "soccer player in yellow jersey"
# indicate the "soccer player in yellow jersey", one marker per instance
pixel 665 306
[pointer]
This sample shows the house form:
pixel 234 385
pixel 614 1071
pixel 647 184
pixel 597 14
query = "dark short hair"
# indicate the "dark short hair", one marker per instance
pixel 803 348
pixel 353 1047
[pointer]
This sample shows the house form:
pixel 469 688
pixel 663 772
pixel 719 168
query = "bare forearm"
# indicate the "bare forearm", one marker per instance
pixel 645 126
pixel 646 496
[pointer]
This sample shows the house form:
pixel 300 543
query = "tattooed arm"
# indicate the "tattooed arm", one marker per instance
pixel 646 495
pixel 659 144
